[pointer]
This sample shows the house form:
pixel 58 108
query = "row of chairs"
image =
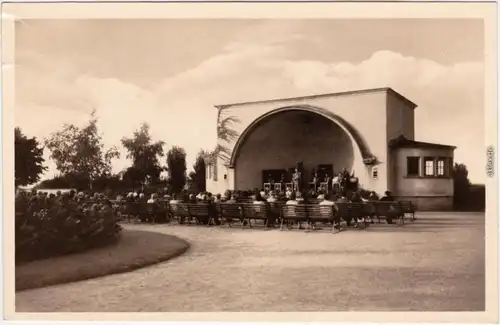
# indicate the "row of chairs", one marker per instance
pixel 270 214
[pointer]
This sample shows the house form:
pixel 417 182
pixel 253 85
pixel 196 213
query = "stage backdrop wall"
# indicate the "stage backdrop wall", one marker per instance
pixel 286 138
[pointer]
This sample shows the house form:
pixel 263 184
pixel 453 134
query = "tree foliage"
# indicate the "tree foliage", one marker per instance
pixel 80 183
pixel 28 159
pixel 198 175
pixel 145 156
pixel 133 177
pixel 225 134
pixel 79 151
pixel 176 166
pixel 461 184
pixel 57 182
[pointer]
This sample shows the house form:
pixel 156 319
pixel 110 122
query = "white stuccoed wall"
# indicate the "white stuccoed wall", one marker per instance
pixel 367 112
pixel 401 121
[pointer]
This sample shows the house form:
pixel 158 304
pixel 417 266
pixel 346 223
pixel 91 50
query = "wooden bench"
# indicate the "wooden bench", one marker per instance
pixel 274 212
pixel 389 210
pixel 358 210
pixel 252 211
pixel 370 209
pixel 313 201
pixel 179 211
pixel 343 212
pixel 142 211
pixel 244 200
pixel 293 213
pixel 130 209
pixel 408 208
pixel 229 212
pixel 157 212
pixel 200 212
pixel 325 214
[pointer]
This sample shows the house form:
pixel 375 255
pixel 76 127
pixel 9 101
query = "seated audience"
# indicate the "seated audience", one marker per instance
pixel 272 197
pixel 356 198
pixel 326 206
pixel 232 200
pixel 327 200
pixel 299 197
pixel 174 199
pixel 258 199
pixel 292 199
pixel 373 196
pixel 192 198
pixel 342 198
pixel 387 197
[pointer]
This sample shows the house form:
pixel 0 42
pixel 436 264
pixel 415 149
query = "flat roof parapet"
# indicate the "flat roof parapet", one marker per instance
pixel 337 94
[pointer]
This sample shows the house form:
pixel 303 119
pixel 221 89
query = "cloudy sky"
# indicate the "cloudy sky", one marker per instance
pixel 170 73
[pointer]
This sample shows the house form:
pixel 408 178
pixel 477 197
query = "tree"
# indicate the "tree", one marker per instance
pixel 79 151
pixel 225 134
pixel 133 177
pixel 461 185
pixel 28 159
pixel 198 175
pixel 176 166
pixel 145 156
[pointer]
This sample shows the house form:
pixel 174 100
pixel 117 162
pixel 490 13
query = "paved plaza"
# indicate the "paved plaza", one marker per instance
pixel 434 264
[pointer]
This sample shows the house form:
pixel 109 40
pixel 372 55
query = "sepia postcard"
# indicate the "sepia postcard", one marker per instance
pixel 300 162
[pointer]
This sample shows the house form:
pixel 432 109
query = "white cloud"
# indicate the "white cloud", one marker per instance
pixel 180 109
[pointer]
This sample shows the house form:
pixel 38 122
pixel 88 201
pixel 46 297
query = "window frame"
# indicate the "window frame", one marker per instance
pixel 408 159
pixel 443 160
pixel 432 167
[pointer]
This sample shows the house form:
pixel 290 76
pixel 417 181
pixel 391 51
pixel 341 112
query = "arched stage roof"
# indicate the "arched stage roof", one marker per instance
pixel 349 129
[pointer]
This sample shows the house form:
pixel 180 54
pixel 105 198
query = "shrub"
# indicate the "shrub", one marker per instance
pixel 47 227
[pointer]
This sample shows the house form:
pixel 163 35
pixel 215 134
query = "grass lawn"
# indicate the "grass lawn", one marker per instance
pixel 134 250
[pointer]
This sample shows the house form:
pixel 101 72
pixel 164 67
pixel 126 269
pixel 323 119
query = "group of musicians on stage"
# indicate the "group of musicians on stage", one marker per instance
pixel 340 182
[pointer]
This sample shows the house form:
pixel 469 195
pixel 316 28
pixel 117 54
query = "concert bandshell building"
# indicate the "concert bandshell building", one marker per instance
pixel 370 133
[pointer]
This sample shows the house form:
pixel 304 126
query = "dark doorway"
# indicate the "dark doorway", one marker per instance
pixel 323 170
pixel 273 174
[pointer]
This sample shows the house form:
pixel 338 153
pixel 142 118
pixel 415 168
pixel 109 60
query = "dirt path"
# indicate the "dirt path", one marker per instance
pixel 436 264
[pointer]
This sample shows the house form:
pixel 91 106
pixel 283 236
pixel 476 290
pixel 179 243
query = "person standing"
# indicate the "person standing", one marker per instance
pixel 327 180
pixel 296 178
